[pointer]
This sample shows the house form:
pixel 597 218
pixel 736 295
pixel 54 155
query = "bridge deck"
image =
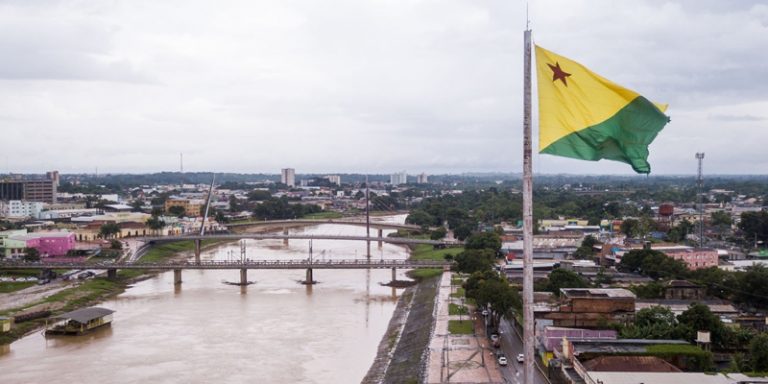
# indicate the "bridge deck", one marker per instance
pixel 274 236
pixel 248 264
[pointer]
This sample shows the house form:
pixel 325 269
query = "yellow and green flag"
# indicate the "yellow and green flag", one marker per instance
pixel 585 116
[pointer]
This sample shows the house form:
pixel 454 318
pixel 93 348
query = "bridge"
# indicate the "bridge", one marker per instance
pixel 198 238
pixel 361 222
pixel 243 265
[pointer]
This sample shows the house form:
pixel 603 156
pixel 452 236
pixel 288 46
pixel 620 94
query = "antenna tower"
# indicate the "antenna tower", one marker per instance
pixel 700 196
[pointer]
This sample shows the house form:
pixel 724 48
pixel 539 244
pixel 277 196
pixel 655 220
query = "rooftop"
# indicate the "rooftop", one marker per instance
pixel 597 292
pixel 672 378
pixel 629 364
pixel 86 314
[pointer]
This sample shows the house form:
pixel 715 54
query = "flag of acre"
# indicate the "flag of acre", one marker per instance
pixel 585 116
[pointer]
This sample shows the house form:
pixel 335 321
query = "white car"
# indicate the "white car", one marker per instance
pixel 520 358
pixel 502 361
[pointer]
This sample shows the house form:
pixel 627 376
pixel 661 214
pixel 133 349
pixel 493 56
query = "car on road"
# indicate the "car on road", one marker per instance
pixel 502 360
pixel 520 358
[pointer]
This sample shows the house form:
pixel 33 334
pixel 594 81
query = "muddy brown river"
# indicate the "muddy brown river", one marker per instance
pixel 273 331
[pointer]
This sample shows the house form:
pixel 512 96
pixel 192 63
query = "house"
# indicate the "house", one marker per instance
pixel 591 308
pixel 79 321
pixel 683 290
pixel 5 324
pixel 47 243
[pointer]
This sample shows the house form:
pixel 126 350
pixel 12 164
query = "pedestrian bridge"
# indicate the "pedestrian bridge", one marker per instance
pixel 362 222
pixel 284 236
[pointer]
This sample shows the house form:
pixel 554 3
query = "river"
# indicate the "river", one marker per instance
pixel 273 331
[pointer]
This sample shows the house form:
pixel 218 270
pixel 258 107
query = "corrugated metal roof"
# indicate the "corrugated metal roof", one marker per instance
pixel 86 314
pixel 629 364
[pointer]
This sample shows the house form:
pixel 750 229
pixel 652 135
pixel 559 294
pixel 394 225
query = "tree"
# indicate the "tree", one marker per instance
pixel 462 232
pixel 177 210
pixel 753 286
pixel 258 195
pixel 721 219
pixel 475 260
pixel 655 315
pixel 560 278
pixel 484 240
pixel 755 225
pixel 116 244
pixel 650 290
pixel 32 255
pixel 630 227
pixel 420 217
pixel 758 352
pixel 155 223
pixel 653 264
pixel 587 248
pixel 698 317
pixel 438 233
pixel 489 290
pixel 108 230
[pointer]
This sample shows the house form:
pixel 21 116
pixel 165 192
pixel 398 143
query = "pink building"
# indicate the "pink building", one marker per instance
pixel 695 258
pixel 48 243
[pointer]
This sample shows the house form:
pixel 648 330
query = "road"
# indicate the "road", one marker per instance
pixel 512 345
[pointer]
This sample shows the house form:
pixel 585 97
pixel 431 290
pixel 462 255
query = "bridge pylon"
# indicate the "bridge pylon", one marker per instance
pixel 198 245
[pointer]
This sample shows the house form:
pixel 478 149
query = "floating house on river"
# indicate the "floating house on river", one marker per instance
pixel 79 321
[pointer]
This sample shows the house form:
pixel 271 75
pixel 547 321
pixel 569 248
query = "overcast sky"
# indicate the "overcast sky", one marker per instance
pixel 362 86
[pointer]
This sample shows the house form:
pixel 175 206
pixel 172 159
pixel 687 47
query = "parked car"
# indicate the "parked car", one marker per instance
pixel 520 358
pixel 502 361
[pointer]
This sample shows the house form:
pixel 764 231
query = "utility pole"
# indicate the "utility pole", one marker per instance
pixel 367 217
pixel 700 196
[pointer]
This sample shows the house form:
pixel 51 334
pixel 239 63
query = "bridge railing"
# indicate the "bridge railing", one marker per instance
pixel 224 263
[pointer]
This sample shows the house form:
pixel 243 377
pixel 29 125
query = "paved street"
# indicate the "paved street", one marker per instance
pixel 512 345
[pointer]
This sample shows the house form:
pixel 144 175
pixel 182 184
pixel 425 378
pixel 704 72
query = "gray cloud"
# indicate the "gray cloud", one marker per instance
pixel 352 86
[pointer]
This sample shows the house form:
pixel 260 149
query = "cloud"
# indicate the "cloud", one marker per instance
pixel 736 118
pixel 344 85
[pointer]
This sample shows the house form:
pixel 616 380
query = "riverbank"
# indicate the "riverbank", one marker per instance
pixel 403 350
pixel 64 296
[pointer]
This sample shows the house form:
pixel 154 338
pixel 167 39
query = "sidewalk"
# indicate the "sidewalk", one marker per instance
pixel 458 358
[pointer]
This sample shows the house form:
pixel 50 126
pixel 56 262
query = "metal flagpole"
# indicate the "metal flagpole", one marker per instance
pixel 528 365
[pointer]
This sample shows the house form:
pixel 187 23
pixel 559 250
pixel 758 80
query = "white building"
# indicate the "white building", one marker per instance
pixel 422 178
pixel 20 208
pixel 398 178
pixel 333 179
pixel 288 177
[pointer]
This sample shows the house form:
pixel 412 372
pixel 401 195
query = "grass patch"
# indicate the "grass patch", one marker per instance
pixel 455 309
pixel 13 286
pixel 323 215
pixel 20 272
pixel 457 281
pixel 162 252
pixel 461 327
pixel 424 273
pixel 428 252
pixel 459 292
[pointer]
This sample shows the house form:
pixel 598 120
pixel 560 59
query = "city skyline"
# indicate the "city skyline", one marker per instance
pixel 335 88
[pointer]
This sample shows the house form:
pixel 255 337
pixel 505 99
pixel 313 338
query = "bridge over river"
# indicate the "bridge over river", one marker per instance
pixel 242 265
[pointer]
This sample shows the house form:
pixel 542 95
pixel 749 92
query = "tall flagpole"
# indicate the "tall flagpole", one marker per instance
pixel 527 219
